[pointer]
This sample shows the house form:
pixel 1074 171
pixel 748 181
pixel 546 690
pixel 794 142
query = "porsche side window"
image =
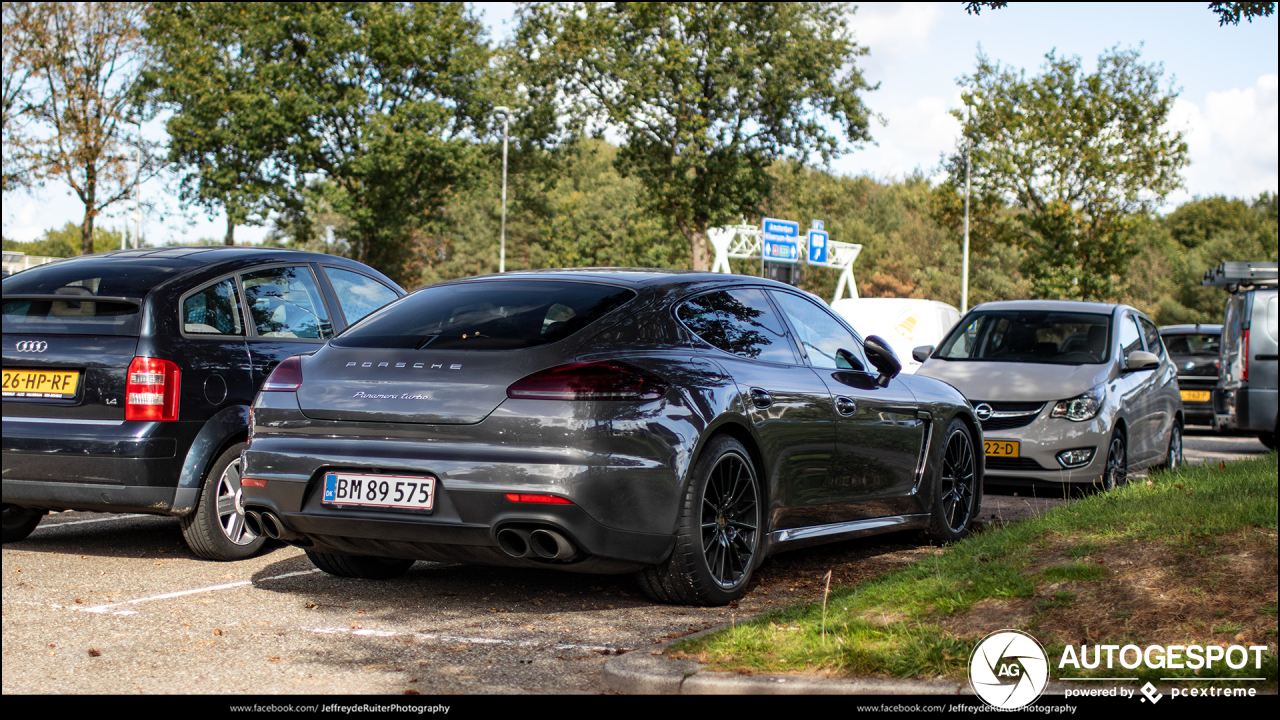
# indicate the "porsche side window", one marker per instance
pixel 741 322
pixel 215 310
pixel 821 335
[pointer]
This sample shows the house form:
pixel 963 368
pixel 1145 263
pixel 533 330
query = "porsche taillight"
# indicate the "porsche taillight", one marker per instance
pixel 151 390
pixel 589 381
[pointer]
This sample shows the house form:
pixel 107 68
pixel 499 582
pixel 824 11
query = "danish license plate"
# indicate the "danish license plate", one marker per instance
pixel 392 491
pixel 1195 396
pixel 1000 448
pixel 56 384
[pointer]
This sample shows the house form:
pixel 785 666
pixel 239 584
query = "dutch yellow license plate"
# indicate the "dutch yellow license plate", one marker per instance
pixel 56 384
pixel 1000 448
pixel 1195 396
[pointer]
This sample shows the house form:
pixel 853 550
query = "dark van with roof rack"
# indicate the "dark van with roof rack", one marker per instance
pixel 128 377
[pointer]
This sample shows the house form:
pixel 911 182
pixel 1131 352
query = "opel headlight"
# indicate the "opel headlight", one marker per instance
pixel 1082 407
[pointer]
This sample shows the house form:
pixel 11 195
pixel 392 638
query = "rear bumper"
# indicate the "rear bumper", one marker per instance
pixel 462 527
pixel 94 497
pixel 100 466
pixel 1248 409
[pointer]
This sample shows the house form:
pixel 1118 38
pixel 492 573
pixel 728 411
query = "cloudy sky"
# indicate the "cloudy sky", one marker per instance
pixel 1226 78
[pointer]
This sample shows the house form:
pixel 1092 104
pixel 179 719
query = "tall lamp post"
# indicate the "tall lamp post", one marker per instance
pixel 502 248
pixel 968 151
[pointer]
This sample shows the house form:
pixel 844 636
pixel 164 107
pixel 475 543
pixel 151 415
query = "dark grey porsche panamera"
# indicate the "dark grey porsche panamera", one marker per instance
pixel 678 425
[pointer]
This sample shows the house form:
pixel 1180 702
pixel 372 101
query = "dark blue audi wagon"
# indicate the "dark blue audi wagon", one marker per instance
pixel 128 377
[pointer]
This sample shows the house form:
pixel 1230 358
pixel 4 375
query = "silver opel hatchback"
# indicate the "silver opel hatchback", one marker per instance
pixel 1067 392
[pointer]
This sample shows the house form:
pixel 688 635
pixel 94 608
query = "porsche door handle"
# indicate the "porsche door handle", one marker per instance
pixel 761 398
pixel 846 406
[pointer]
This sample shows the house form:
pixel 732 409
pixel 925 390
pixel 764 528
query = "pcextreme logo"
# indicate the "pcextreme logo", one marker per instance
pixel 1008 669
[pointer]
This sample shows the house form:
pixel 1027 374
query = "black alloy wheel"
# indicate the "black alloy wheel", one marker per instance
pixel 1116 472
pixel 719 533
pixel 958 497
pixel 730 520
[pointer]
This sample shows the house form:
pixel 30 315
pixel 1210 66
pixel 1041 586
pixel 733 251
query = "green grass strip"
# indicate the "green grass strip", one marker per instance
pixel 893 626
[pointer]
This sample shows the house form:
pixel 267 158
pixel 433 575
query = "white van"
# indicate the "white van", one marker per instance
pixel 904 323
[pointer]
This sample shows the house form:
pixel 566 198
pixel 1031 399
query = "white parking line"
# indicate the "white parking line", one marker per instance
pixel 212 588
pixel 462 639
pixel 94 520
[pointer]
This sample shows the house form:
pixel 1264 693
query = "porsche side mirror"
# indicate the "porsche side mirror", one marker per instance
pixel 883 358
pixel 922 353
pixel 1140 360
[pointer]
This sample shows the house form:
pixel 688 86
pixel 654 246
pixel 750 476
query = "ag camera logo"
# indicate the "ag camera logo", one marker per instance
pixel 1008 669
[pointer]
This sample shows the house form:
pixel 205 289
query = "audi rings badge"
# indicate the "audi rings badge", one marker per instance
pixel 32 346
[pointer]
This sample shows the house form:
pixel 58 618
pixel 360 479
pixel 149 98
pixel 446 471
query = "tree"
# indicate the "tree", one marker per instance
pixel 20 19
pixel 86 59
pixel 381 101
pixel 225 131
pixel 705 95
pixel 1229 13
pixel 1078 156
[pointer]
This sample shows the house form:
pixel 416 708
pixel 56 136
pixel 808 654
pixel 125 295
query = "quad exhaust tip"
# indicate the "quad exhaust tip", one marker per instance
pixel 539 543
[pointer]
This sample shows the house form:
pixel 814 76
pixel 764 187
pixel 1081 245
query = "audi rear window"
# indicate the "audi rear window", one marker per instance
pixel 487 315
pixel 79 298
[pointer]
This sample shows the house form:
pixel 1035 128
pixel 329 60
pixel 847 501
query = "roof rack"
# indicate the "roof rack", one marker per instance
pixel 1238 275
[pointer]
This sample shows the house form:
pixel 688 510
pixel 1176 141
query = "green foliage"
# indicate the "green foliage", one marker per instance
pixel 1078 157
pixel 226 127
pixel 66 242
pixel 706 95
pixel 381 100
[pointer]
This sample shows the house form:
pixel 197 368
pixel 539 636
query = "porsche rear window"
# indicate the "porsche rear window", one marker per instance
pixel 488 315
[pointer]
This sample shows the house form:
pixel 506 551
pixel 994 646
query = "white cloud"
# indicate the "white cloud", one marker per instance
pixel 916 134
pixel 894 29
pixel 1231 140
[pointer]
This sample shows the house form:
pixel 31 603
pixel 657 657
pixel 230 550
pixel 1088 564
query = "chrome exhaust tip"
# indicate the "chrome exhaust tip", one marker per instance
pixel 253 521
pixel 271 525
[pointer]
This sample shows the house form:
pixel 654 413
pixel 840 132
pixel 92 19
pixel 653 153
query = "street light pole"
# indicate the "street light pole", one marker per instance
pixel 502 250
pixel 964 271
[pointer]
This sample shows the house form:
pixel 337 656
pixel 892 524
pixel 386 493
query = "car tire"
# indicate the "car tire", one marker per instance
pixel 957 496
pixel 360 566
pixel 1268 439
pixel 1115 472
pixel 217 529
pixel 1174 458
pixel 719 532
pixel 18 522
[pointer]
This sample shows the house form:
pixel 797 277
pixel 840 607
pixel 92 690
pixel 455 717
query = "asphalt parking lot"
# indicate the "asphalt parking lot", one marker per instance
pixel 98 603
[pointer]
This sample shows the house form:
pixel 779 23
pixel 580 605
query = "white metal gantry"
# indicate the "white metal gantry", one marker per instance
pixel 744 242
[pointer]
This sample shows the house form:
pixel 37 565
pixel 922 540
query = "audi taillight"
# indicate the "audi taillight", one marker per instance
pixel 151 390
pixel 589 381
pixel 287 376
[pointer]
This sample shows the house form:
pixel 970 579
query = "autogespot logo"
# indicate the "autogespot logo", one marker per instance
pixel 1008 669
